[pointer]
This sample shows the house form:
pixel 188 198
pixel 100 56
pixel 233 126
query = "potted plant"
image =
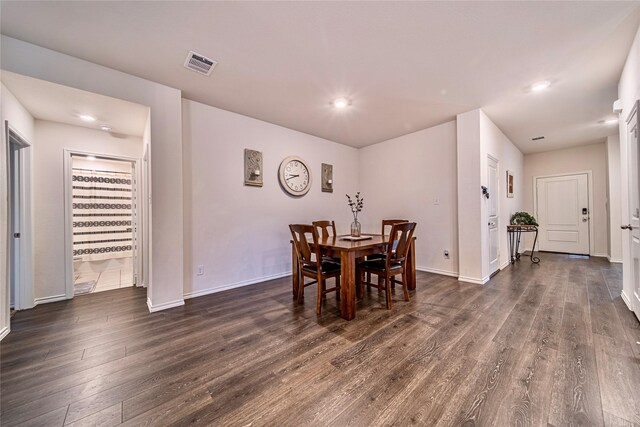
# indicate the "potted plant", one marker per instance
pixel 523 218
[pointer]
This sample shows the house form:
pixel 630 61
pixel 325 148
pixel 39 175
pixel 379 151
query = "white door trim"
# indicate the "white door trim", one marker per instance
pixel 23 298
pixel 590 192
pixel 68 209
pixel 494 192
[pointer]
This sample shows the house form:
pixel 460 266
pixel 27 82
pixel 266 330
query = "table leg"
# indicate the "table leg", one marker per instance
pixel 411 266
pixel 348 285
pixel 295 274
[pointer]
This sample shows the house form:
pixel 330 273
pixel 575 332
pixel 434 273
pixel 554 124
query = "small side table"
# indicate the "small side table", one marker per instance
pixel 514 232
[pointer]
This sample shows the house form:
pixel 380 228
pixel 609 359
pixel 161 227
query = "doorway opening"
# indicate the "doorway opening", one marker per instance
pixel 104 223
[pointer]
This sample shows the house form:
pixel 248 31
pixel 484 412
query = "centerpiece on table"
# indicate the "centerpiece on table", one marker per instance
pixel 356 207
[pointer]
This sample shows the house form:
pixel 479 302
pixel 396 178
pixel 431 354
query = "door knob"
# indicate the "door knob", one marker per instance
pixel 626 227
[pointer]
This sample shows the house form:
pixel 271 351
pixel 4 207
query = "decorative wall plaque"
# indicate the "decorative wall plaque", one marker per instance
pixel 327 178
pixel 252 168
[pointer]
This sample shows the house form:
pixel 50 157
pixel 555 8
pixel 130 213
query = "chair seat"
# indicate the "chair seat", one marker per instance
pixel 327 268
pixel 379 264
pixel 376 256
pixel 333 259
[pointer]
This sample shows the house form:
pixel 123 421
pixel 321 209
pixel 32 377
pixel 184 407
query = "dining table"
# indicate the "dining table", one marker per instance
pixel 350 252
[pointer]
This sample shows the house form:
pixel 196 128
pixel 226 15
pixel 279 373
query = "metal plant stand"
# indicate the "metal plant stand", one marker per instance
pixel 515 233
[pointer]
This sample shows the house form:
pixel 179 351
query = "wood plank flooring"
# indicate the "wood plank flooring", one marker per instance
pixel 539 345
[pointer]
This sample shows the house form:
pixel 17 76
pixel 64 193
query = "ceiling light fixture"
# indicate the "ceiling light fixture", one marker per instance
pixel 611 121
pixel 105 128
pixel 341 103
pixel 537 87
pixel 86 118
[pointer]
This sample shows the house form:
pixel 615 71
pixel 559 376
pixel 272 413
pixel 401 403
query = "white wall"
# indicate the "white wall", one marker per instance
pixel 469 198
pixel 21 121
pixel 240 233
pixel 628 93
pixel 479 137
pixel 613 198
pixel 48 191
pixel 414 177
pixel 24 58
pixel 577 159
pixel 497 145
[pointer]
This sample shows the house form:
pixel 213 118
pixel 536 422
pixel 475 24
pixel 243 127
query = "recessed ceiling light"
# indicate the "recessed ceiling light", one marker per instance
pixel 611 121
pixel 105 128
pixel 341 103
pixel 90 158
pixel 86 118
pixel 536 87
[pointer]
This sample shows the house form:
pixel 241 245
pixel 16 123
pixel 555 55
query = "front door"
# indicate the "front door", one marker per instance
pixel 493 214
pixel 563 213
pixel 634 206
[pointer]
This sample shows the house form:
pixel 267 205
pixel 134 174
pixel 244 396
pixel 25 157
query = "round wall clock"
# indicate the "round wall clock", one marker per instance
pixel 295 176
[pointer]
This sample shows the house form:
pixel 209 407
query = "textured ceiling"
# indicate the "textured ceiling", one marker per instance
pixel 404 65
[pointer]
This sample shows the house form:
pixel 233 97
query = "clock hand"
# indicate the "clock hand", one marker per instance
pixel 291 176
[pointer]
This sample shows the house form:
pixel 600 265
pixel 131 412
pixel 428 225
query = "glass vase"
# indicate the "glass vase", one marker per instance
pixel 355 228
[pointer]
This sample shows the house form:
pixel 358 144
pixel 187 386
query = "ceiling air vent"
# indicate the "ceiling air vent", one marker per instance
pixel 537 138
pixel 200 64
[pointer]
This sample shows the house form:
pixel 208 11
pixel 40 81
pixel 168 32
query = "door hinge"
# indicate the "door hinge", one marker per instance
pixel 16 235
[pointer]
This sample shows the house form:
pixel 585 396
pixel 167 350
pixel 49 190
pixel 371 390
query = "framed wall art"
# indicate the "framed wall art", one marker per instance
pixel 509 184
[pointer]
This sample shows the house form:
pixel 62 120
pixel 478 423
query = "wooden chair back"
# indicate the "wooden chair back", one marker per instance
pixel 389 222
pixel 325 226
pixel 399 242
pixel 305 240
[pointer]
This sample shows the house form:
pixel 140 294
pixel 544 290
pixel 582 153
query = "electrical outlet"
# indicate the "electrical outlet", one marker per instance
pixel 446 254
pixel 200 270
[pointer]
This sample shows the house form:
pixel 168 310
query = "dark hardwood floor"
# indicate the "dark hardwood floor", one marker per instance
pixel 549 344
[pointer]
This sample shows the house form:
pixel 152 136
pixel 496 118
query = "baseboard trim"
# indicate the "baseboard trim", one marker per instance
pixel 153 308
pixel 626 300
pixel 614 260
pixel 473 280
pixel 47 300
pixel 4 332
pixel 601 255
pixel 240 284
pixel 505 265
pixel 438 271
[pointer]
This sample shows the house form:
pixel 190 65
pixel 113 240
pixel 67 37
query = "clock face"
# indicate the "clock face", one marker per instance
pixel 295 176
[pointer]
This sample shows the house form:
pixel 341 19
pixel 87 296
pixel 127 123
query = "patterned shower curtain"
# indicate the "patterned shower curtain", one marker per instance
pixel 102 215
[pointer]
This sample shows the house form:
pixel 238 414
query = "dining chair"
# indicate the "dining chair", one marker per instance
pixel 394 263
pixel 312 265
pixel 328 229
pixel 385 223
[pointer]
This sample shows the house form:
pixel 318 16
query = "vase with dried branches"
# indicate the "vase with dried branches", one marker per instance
pixel 356 207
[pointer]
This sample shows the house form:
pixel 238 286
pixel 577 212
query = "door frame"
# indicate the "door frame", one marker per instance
pixel 68 210
pixel 23 297
pixel 589 174
pixel 495 193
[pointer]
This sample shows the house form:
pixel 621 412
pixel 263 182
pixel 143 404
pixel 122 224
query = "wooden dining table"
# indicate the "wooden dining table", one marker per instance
pixel 349 253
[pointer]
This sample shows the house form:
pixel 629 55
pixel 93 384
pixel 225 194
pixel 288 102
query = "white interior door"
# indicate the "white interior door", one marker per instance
pixel 493 214
pixel 634 207
pixel 563 213
pixel 15 226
